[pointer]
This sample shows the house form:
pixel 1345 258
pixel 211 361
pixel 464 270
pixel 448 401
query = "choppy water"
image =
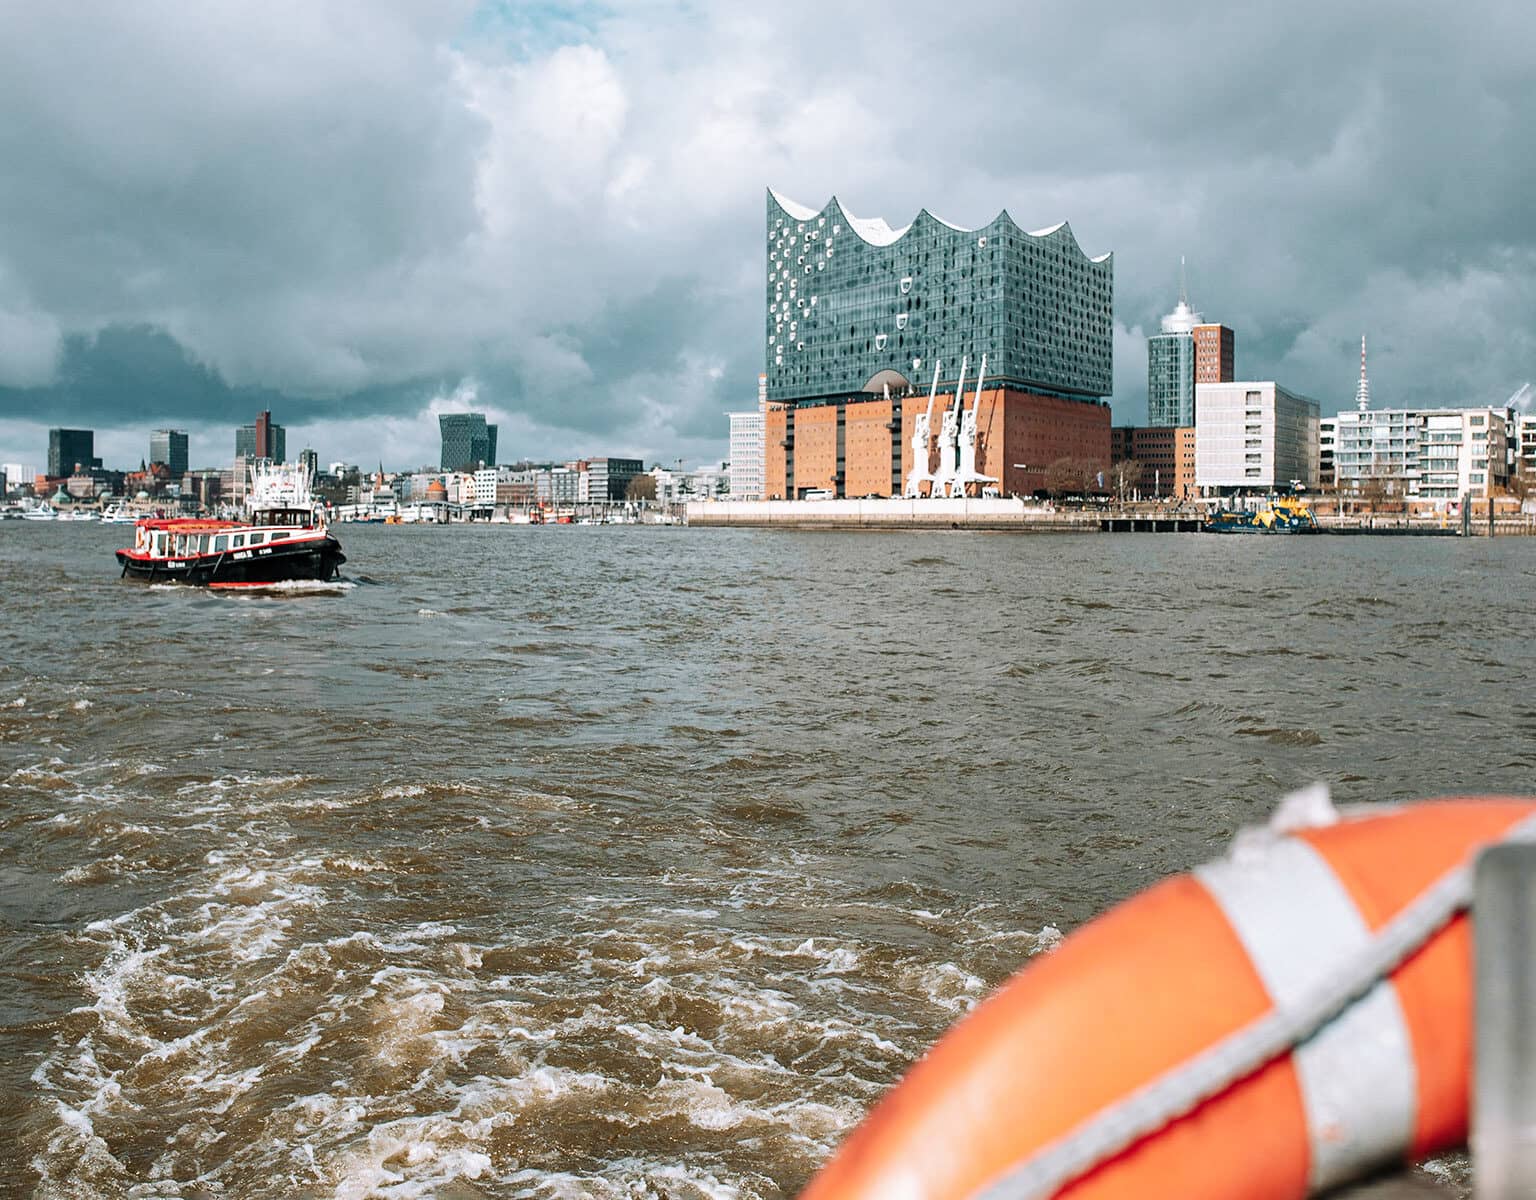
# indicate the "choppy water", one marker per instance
pixel 627 862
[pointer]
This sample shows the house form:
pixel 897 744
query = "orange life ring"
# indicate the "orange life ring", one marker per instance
pixel 1129 1000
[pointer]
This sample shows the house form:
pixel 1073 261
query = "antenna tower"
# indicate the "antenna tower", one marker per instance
pixel 1363 392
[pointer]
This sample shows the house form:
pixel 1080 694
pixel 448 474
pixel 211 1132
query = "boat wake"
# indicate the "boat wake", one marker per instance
pixel 289 587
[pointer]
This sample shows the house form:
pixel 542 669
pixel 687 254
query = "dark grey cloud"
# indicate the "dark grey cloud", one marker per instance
pixel 358 214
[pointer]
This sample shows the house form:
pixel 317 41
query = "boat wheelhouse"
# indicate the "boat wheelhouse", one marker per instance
pixel 284 539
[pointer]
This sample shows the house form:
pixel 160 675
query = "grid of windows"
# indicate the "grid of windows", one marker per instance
pixel 847 299
pixel 1171 379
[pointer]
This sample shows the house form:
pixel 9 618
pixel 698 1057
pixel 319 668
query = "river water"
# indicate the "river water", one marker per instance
pixel 624 862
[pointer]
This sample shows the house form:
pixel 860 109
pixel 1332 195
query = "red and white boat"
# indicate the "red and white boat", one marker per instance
pixel 283 539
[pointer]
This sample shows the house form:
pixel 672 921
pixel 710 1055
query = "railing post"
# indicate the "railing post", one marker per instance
pixel 1504 1068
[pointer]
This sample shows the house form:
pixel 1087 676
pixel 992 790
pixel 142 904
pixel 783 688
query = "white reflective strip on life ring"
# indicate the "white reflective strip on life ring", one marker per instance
pixel 1359 1082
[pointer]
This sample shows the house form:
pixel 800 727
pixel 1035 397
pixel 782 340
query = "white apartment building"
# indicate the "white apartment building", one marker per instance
pixel 1327 443
pixel 485 487
pixel 557 486
pixel 18 474
pixel 747 458
pixel 1525 445
pixel 1427 454
pixel 1254 436
pixel 702 483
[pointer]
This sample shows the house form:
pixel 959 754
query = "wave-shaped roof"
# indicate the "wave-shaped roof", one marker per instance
pixel 876 232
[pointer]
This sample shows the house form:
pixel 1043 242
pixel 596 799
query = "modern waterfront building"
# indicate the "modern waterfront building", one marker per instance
pixel 309 460
pixel 1171 366
pixel 468 442
pixel 18 475
pixel 486 479
pixel 1327 443
pixel 853 305
pixel 265 438
pixel 1426 454
pixel 1165 454
pixel 702 483
pixel 557 486
pixel 865 322
pixel 69 448
pixel 609 477
pixel 169 446
pixel 1254 436
pixel 1525 447
pixel 746 454
pixel 1187 351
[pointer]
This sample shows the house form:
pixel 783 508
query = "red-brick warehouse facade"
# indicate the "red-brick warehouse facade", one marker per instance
pixel 1166 455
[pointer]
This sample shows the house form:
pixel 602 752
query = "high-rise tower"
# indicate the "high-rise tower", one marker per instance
pixel 1171 365
pixel 1363 392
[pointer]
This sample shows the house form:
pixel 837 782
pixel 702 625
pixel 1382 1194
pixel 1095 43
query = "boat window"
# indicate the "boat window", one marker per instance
pixel 219 544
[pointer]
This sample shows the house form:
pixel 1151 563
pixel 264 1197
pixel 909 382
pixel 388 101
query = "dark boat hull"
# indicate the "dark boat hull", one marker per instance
pixel 1276 528
pixel 262 566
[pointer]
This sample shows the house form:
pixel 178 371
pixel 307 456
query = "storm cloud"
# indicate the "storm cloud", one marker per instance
pixel 360 214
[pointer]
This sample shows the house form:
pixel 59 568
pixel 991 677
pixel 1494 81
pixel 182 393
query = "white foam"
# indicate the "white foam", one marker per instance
pixel 314 587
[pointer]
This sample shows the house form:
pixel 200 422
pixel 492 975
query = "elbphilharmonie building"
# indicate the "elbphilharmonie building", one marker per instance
pixel 869 333
pixel 850 299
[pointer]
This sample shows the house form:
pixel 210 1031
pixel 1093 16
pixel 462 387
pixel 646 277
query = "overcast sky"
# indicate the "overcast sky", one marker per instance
pixel 360 213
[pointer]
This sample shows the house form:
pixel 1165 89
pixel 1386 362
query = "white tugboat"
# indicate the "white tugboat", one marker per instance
pixel 284 538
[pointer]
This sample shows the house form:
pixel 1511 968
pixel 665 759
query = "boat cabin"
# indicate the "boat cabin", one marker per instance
pixel 190 538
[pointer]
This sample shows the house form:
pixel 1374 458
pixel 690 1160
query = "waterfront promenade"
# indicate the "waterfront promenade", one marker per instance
pixel 1030 516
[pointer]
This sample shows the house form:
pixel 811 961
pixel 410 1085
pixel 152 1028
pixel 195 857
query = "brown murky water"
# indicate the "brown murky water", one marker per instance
pixel 637 862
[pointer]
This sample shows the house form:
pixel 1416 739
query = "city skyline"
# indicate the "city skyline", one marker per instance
pixel 520 221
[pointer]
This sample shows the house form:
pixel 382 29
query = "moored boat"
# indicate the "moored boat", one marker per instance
pixel 1280 515
pixel 283 539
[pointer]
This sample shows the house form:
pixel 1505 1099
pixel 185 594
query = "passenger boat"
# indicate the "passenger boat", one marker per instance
pixel 284 538
pixel 1280 515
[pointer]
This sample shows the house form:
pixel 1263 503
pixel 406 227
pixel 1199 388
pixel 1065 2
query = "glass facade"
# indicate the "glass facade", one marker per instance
pixel 169 446
pixel 467 441
pixel 609 478
pixel 69 447
pixel 1171 379
pixel 848 299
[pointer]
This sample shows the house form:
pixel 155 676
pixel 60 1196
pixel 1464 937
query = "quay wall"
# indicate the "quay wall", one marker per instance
pixel 893 514
pixel 1033 517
